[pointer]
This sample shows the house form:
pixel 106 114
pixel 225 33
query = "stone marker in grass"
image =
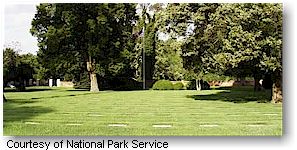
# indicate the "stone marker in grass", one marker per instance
pixel 73 124
pixel 117 125
pixel 255 125
pixel 94 115
pixel 209 125
pixel 162 126
pixel 234 115
pixel 34 123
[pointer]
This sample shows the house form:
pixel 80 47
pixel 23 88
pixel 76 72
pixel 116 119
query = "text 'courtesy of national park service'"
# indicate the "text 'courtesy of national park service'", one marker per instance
pixel 82 144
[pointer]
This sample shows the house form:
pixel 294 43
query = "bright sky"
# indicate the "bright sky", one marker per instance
pixel 17 24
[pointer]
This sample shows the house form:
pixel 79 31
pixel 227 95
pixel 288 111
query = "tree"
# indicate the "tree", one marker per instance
pixel 244 39
pixel 169 62
pixel 249 35
pixel 146 40
pixel 186 23
pixel 16 69
pixel 93 34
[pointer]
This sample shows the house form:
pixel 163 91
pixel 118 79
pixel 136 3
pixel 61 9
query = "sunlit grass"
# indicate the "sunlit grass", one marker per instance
pixel 64 111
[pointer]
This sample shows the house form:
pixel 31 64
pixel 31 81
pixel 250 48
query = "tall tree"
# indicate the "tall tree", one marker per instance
pixel 94 34
pixel 249 35
pixel 147 25
pixel 186 23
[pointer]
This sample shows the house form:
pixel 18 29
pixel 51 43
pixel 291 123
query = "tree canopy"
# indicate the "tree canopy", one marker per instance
pixel 92 36
pixel 174 41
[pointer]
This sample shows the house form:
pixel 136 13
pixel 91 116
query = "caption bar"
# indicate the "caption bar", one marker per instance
pixel 82 144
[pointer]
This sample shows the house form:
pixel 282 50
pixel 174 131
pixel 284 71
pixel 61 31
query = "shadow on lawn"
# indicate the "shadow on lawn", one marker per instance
pixel 73 90
pixel 235 95
pixel 13 111
pixel 27 90
pixel 58 96
pixel 20 101
pixel 29 100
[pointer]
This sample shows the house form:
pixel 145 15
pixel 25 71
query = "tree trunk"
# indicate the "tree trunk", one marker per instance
pixel 198 85
pixel 257 85
pixel 94 83
pixel 277 94
pixel 93 77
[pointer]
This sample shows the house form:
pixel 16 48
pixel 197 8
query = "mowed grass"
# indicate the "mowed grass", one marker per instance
pixel 216 112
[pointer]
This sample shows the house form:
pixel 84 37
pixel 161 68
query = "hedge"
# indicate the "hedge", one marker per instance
pixel 163 85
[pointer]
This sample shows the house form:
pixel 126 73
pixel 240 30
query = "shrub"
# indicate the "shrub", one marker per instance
pixel 178 86
pixel 191 85
pixel 216 77
pixel 163 85
pixel 124 83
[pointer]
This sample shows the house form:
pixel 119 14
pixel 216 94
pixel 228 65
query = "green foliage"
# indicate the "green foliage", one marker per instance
pixel 169 63
pixel 68 77
pixel 70 35
pixel 39 72
pixel 163 85
pixel 249 35
pixel 191 85
pixel 83 83
pixel 16 67
pixel 216 77
pixel 181 41
pixel 10 62
pixel 178 86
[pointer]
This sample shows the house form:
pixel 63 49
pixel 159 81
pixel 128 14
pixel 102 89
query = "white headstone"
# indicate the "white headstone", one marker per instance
pixel 162 126
pixel 50 82
pixel 30 82
pixel 37 82
pixel 117 125
pixel 73 124
pixel 58 82
pixel 32 123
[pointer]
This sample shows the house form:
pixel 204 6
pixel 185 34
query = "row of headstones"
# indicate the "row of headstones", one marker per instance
pixel 38 82
pixel 52 82
pixel 31 82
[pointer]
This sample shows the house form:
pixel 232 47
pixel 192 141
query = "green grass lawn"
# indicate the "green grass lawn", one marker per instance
pixel 218 112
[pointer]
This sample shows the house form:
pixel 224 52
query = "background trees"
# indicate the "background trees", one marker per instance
pixel 180 41
pixel 236 39
pixel 17 68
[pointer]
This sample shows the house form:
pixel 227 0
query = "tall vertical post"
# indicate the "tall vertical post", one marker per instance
pixel 143 60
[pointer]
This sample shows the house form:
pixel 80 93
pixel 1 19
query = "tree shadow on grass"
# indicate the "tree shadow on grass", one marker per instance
pixel 60 96
pixel 6 90
pixel 21 101
pixel 19 110
pixel 74 90
pixel 235 95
